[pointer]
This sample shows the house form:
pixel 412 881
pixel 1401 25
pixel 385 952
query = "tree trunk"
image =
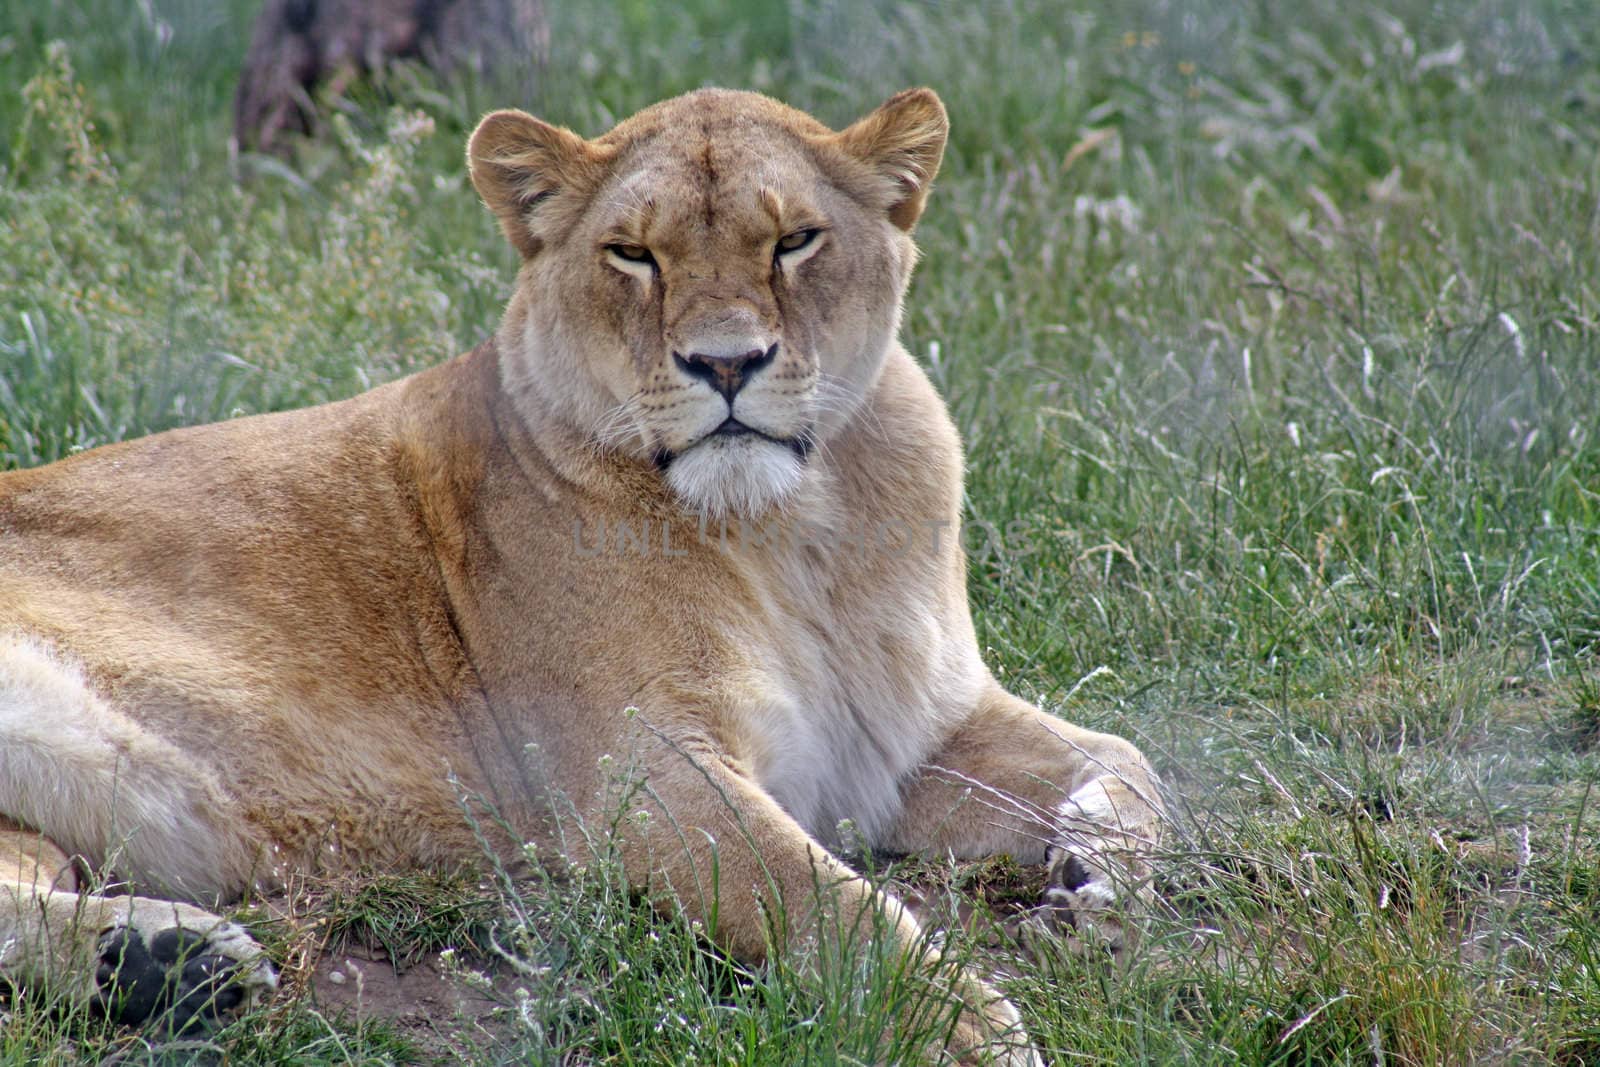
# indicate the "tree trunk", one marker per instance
pixel 300 45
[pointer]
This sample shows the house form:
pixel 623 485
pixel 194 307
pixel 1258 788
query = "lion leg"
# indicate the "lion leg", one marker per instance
pixel 729 853
pixel 78 777
pixel 135 958
pixel 1014 780
pixel 102 785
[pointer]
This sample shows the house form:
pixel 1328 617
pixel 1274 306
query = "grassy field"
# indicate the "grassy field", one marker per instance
pixel 1276 328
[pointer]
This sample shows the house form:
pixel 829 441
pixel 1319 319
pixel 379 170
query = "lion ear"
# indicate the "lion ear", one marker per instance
pixel 517 162
pixel 903 141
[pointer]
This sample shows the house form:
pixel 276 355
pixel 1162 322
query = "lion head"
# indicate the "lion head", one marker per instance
pixel 713 285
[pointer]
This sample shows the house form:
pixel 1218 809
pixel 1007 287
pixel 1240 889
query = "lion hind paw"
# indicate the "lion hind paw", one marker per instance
pixel 183 975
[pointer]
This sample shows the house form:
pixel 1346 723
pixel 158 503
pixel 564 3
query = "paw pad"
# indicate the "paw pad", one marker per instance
pixel 171 976
pixel 1069 872
pixel 1080 907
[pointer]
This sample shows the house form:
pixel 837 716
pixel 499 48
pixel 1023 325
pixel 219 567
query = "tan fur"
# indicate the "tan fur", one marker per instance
pixel 293 641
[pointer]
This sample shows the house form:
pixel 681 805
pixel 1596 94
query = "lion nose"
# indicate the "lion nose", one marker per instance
pixel 726 374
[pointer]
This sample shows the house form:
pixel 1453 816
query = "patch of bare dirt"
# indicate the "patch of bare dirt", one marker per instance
pixel 445 1016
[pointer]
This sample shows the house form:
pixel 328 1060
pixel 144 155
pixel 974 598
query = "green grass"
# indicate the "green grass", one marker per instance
pixel 1274 334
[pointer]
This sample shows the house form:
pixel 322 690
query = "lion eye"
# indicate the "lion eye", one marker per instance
pixel 794 242
pixel 631 253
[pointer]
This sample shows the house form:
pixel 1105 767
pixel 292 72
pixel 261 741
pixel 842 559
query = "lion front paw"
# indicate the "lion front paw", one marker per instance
pixel 178 966
pixel 1085 901
pixel 1098 880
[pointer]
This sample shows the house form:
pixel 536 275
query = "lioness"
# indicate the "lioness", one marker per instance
pixel 291 641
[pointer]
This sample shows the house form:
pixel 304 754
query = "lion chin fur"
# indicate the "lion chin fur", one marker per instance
pixel 301 641
pixel 732 479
